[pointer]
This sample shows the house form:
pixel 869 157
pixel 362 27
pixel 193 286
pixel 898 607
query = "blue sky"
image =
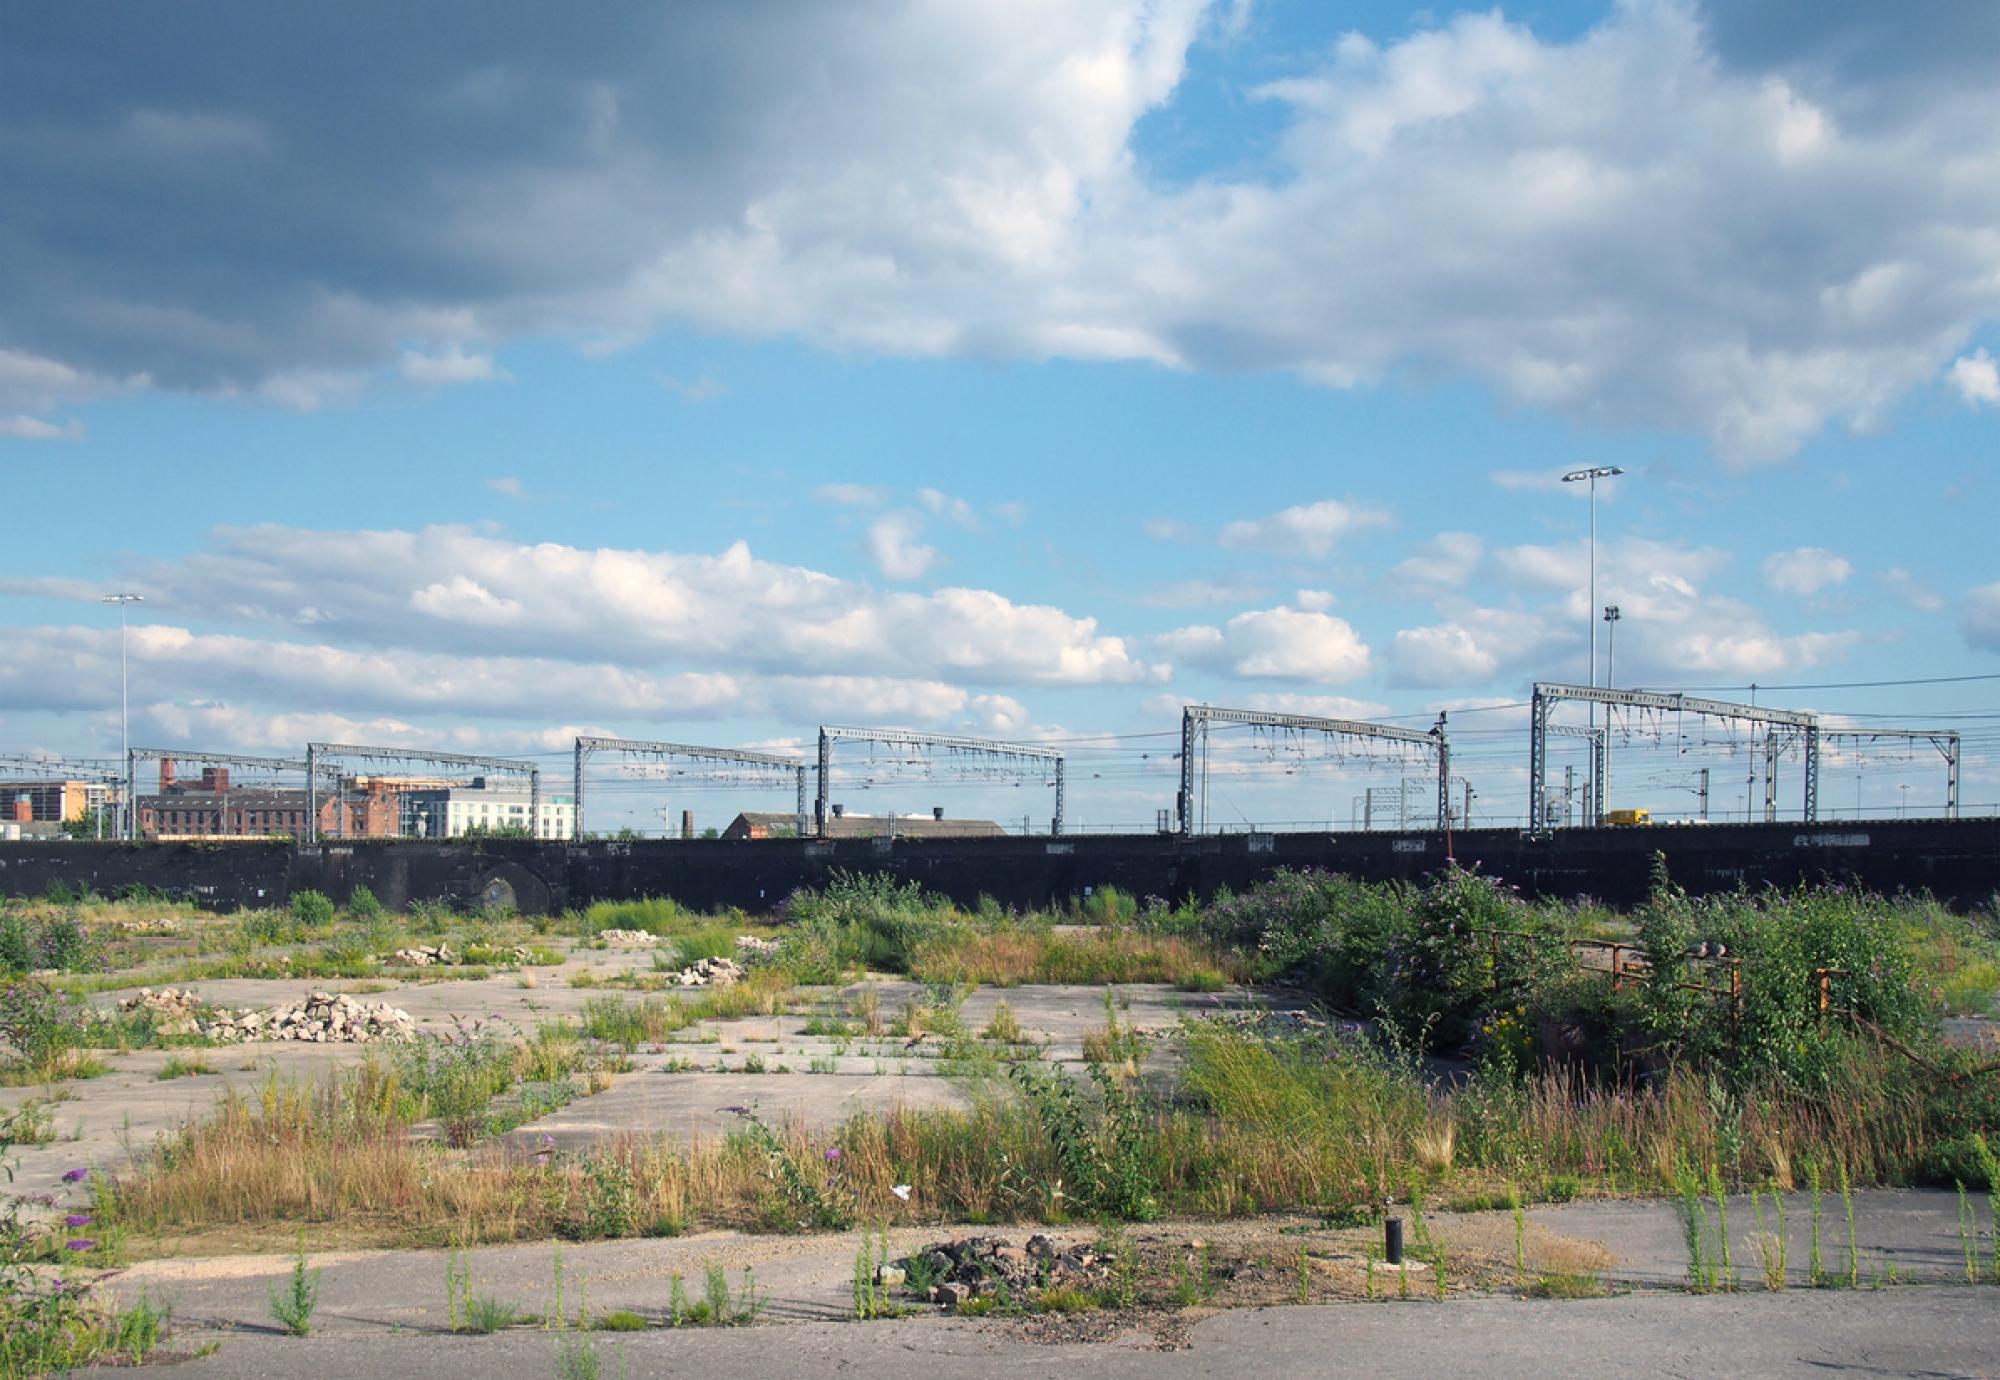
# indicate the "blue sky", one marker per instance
pixel 1012 375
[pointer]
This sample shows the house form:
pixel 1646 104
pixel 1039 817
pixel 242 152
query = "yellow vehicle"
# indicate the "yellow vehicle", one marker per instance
pixel 1628 818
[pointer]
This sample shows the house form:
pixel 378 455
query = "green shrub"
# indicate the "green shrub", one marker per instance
pixel 312 909
pixel 362 905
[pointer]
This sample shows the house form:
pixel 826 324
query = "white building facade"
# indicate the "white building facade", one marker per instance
pixel 481 808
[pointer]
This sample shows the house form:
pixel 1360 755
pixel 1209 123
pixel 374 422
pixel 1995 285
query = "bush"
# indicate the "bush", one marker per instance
pixel 60 943
pixel 312 909
pixel 861 919
pixel 362 905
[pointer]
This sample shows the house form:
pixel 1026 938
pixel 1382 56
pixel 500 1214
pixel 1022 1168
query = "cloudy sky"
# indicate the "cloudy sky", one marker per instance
pixel 471 376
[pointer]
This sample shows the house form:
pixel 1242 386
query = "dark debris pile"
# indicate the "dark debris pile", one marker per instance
pixel 973 1267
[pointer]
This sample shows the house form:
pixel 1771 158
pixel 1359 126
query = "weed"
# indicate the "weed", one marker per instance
pixel 1815 1265
pixel 293 1306
pixel 1772 1247
pixel 1520 1244
pixel 1722 1222
pixel 871 1296
pixel 576 1358
pixel 1062 1299
pixel 621 1320
pixel 485 1315
pixel 1003 1026
pixel 1694 1223
pixel 138 1330
pixel 1853 1242
pixel 177 1066
pixel 1968 1234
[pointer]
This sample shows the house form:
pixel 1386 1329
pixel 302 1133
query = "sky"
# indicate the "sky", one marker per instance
pixel 471 377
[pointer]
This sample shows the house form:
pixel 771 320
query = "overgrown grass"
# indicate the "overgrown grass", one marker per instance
pixel 1009 956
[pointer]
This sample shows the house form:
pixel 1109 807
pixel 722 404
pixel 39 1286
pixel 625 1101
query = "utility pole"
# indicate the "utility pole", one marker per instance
pixel 1611 617
pixel 1590 475
pixel 1704 795
pixel 128 817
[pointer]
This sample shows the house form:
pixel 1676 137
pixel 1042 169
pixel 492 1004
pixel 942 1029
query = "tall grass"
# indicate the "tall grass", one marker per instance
pixel 1014 954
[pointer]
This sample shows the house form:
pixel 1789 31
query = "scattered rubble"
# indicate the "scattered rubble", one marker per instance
pixel 628 939
pixel 972 1267
pixel 751 948
pixel 710 972
pixel 424 955
pixel 176 1011
pixel 321 1018
pixel 157 926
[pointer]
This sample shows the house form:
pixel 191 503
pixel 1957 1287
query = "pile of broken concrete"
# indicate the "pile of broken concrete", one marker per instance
pixel 750 948
pixel 972 1267
pixel 710 972
pixel 159 925
pixel 628 939
pixel 321 1018
pixel 424 955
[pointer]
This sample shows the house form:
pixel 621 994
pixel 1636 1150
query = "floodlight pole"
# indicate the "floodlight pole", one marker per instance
pixel 1590 475
pixel 125 702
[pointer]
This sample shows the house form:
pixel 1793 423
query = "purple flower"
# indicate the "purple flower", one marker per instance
pixel 82 1243
pixel 548 1141
pixel 76 1176
pixel 833 1154
pixel 78 1219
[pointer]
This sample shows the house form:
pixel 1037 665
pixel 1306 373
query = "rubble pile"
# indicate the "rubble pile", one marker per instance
pixel 159 925
pixel 750 948
pixel 973 1267
pixel 175 1010
pixel 321 1018
pixel 628 939
pixel 710 972
pixel 424 955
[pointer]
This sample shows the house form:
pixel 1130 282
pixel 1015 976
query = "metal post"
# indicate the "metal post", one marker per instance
pixel 1569 794
pixel 576 790
pixel 1770 778
pixel 1597 770
pixel 128 817
pixel 1185 802
pixel 1951 756
pixel 803 811
pixel 312 794
pixel 1812 774
pixel 535 803
pixel 1538 747
pixel 825 772
pixel 1704 795
pixel 1368 809
pixel 1057 828
pixel 1444 776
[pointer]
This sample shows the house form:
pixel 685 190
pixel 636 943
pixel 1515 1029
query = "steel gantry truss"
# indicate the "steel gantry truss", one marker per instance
pixel 220 759
pixel 630 747
pixel 1550 693
pixel 1946 741
pixel 1195 719
pixel 829 734
pixel 317 753
pixel 1597 765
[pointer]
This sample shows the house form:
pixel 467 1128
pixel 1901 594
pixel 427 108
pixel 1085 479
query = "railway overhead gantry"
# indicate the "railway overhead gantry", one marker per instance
pixel 830 734
pixel 634 747
pixel 1196 718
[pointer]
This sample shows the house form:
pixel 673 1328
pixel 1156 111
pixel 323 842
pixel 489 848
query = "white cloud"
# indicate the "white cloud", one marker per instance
pixel 851 495
pixel 943 505
pixel 1980 621
pixel 1447 654
pixel 1275 644
pixel 447 589
pixel 506 485
pixel 22 427
pixel 894 548
pixel 1911 591
pixel 1805 571
pixel 450 365
pixel 1444 562
pixel 1001 714
pixel 1317 706
pixel 1167 529
pixel 1977 378
pixel 1202 592
pixel 696 390
pixel 1313 600
pixel 1585 223
pixel 1308 529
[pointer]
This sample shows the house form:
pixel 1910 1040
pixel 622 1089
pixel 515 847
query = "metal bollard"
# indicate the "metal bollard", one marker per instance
pixel 1392 1241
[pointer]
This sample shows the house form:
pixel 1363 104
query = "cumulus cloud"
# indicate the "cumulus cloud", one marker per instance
pixel 1307 529
pixel 1585 222
pixel 1805 571
pixel 22 427
pixel 449 589
pixel 894 547
pixel 1977 378
pixel 450 365
pixel 1980 621
pixel 1274 644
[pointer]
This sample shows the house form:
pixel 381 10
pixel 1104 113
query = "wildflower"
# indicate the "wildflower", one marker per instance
pixel 78 1219
pixel 833 1154
pixel 82 1243
pixel 76 1176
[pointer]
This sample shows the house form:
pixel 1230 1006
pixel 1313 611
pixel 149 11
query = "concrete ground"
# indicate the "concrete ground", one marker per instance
pixel 385 1313
pixel 677 1087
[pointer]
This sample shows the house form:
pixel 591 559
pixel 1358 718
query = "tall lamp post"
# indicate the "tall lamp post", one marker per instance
pixel 1611 617
pixel 1590 475
pixel 128 819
